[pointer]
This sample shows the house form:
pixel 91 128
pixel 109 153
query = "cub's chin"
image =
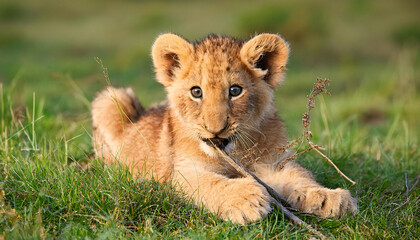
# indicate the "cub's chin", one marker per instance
pixel 207 145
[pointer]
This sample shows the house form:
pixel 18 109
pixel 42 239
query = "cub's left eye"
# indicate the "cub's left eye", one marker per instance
pixel 235 91
pixel 196 92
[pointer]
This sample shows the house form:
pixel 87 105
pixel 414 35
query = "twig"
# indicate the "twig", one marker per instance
pixel 245 173
pixel 331 162
pixel 319 87
pixel 275 197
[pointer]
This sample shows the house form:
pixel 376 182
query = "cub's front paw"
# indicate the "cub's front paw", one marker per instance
pixel 245 201
pixel 324 202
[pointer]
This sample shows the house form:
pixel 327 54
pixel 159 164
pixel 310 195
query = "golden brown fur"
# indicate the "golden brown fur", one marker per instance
pixel 169 141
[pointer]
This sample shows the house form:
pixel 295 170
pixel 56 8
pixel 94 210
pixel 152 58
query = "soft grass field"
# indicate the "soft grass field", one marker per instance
pixel 51 187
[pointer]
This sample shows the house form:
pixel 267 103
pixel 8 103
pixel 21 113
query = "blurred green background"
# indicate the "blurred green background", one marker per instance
pixel 369 49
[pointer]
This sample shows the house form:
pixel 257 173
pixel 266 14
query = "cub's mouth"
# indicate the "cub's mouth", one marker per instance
pixel 218 142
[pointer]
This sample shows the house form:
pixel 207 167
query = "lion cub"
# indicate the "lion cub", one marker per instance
pixel 220 91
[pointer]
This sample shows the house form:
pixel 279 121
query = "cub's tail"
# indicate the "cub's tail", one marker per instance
pixel 113 111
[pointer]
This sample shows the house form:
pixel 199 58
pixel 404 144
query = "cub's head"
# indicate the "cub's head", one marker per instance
pixel 220 88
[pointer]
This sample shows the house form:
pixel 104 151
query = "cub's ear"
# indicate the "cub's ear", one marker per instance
pixel 266 55
pixel 171 54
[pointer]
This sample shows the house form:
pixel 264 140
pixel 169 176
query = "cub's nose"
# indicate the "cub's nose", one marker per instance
pixel 217 129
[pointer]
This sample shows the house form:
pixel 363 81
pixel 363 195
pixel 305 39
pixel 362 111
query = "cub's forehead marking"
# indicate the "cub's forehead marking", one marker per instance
pixel 216 45
pixel 216 60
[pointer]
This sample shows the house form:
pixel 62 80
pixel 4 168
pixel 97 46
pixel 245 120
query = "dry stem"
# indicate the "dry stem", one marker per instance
pixel 319 87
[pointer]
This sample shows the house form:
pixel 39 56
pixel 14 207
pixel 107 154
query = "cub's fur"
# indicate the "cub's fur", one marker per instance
pixel 220 91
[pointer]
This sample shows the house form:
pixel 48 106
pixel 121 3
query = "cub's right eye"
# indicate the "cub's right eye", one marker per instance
pixel 196 92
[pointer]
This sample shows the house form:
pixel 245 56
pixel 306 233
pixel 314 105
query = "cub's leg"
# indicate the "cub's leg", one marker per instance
pixel 240 200
pixel 113 111
pixel 300 189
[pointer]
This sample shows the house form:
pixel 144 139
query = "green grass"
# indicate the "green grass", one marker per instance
pixel 48 76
